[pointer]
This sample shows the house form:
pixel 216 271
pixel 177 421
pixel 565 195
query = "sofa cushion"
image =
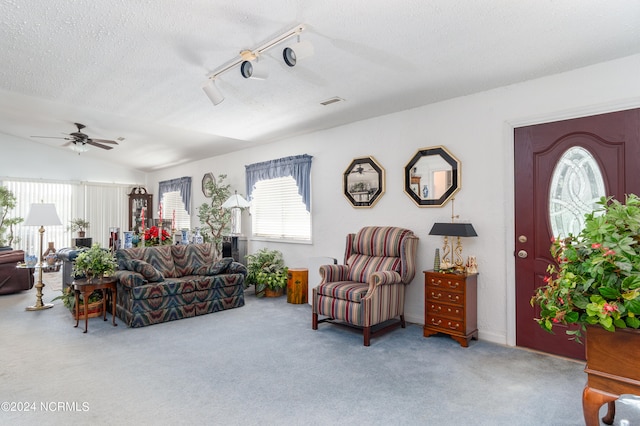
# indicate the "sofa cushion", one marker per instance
pixel 146 269
pixel 215 268
pixel 191 257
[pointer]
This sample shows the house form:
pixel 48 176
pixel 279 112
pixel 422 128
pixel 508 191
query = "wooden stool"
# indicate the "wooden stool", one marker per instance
pixel 298 279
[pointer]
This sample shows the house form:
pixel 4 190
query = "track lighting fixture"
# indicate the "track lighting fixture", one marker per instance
pixel 293 53
pixel 249 70
pixel 248 62
pixel 213 92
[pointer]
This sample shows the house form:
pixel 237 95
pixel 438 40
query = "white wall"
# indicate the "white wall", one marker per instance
pixel 477 129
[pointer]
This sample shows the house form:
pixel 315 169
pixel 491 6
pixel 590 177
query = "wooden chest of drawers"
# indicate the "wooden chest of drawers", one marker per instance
pixel 450 305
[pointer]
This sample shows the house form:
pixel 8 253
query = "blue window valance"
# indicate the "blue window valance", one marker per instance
pixel 298 167
pixel 183 185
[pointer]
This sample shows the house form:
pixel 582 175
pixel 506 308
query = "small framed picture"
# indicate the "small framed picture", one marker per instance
pixel 363 182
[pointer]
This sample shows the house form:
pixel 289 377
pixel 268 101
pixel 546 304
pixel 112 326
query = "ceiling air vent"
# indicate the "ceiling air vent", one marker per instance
pixel 332 101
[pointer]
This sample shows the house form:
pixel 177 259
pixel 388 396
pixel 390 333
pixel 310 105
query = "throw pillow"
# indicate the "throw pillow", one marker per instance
pixel 215 268
pixel 146 269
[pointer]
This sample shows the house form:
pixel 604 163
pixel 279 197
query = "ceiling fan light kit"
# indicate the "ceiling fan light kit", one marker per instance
pixel 248 61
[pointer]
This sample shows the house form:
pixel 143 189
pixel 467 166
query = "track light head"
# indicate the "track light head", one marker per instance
pixel 249 70
pixel 300 50
pixel 212 91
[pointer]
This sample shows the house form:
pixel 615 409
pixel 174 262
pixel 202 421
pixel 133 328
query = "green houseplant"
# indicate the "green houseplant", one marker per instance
pixel 78 225
pixel 95 262
pixel 266 269
pixel 596 280
pixel 7 204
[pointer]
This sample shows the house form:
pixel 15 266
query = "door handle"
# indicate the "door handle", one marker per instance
pixel 522 254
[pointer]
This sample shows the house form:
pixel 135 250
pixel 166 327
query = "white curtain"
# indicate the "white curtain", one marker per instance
pixel 103 205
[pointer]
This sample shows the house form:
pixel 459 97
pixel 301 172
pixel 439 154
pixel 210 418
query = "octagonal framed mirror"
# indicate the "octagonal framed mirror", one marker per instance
pixel 432 177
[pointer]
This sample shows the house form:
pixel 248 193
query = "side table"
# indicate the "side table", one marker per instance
pixel 450 305
pixel 86 287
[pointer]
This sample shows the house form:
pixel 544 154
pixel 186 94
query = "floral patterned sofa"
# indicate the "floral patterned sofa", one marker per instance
pixel 166 283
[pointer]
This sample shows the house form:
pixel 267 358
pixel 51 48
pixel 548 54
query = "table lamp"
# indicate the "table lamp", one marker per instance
pixel 41 214
pixel 236 203
pixel 452 256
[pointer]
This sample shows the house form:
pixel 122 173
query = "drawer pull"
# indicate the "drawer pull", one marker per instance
pixel 436 297
pixel 454 298
pixel 434 322
pixel 436 308
pixel 453 285
pixel 453 326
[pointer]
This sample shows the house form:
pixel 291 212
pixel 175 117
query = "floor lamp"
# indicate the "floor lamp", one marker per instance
pixel 236 203
pixel 41 214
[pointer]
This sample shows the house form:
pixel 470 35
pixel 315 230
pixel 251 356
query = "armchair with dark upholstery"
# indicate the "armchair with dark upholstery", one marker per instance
pixel 12 278
pixel 369 289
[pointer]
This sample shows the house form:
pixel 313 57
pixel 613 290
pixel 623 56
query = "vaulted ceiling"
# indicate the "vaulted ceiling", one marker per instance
pixel 135 69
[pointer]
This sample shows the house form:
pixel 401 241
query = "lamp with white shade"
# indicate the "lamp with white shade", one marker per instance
pixel 236 203
pixel 41 214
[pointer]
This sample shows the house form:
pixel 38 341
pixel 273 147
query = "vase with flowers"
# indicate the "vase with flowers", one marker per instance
pixel 154 237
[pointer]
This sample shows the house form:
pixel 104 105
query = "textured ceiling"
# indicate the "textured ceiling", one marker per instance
pixel 134 69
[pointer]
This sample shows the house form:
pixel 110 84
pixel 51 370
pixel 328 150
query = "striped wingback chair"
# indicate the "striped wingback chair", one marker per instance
pixel 369 288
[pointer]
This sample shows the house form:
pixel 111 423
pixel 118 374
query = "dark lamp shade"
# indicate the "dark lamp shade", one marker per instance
pixel 453 230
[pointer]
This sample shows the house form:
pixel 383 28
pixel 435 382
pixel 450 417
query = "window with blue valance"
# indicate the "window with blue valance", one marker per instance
pixel 298 167
pixel 182 185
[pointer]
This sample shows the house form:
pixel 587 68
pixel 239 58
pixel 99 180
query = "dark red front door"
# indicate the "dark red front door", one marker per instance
pixel 614 142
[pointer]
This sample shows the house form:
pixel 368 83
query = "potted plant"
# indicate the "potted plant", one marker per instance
pixel 266 270
pixel 94 304
pixel 596 280
pixel 79 225
pixel 7 203
pixel 596 285
pixel 94 263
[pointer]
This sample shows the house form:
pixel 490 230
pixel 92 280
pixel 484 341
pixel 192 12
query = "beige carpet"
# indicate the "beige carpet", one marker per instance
pixel 52 280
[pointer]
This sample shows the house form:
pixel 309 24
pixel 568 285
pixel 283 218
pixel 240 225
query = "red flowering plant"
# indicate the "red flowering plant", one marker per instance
pixel 597 276
pixel 152 237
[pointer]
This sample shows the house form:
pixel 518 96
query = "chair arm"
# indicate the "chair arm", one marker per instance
pixel 130 279
pixel 384 277
pixel 333 273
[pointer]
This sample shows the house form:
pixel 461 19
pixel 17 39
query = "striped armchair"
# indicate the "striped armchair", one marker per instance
pixel 369 288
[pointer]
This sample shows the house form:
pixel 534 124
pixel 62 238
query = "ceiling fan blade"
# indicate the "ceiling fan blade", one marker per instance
pixel 103 141
pixel 99 145
pixel 49 137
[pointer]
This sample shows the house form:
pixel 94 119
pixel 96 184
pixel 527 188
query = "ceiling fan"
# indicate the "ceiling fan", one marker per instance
pixel 78 141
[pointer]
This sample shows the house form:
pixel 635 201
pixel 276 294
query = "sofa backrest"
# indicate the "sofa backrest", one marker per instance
pixel 381 248
pixel 159 256
pixel 171 261
pixel 191 257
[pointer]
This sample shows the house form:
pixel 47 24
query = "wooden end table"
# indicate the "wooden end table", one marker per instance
pixel 86 287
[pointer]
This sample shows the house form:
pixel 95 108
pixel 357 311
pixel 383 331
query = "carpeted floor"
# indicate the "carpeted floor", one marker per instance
pixel 261 364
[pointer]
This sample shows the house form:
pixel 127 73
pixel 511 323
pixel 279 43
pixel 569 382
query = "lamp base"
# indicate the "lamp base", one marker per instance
pixel 39 308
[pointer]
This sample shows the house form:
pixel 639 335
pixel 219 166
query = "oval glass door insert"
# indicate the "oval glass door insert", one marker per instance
pixel 576 186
